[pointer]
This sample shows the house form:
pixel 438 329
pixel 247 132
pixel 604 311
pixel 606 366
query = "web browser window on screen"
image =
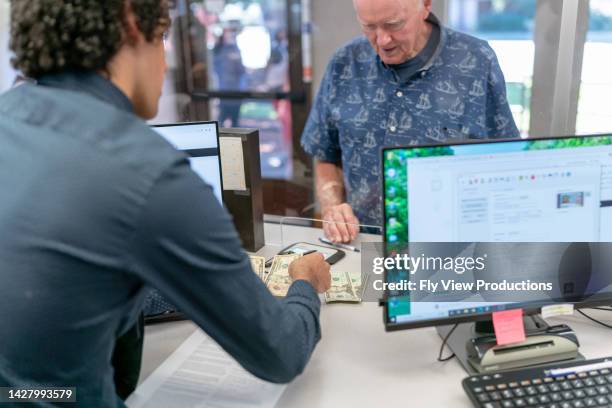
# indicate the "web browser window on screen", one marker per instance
pixel 522 196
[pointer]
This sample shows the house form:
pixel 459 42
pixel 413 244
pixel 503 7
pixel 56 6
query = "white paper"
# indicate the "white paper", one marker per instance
pixel 200 374
pixel 565 309
pixel 232 163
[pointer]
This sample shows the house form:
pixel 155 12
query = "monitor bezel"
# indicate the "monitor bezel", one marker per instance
pixel 203 122
pixel 531 309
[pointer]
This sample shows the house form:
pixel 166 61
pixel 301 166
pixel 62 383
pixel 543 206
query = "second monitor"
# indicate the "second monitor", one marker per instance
pixel 200 141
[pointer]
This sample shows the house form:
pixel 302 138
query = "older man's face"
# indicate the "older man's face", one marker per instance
pixel 393 27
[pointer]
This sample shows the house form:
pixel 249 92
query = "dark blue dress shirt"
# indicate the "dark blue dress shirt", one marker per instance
pixel 94 208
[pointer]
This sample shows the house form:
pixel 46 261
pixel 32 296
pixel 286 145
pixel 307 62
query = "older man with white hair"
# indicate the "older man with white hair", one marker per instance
pixel 408 81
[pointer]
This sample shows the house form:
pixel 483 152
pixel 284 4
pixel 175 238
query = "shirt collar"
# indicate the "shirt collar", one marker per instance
pixel 90 83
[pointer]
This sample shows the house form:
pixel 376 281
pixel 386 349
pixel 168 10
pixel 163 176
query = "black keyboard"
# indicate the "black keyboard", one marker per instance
pixel 567 385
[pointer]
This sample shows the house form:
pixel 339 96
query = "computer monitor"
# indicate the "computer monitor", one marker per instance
pixel 200 141
pixel 495 191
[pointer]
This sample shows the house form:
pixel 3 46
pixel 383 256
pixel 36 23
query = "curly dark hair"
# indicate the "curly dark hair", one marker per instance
pixel 49 36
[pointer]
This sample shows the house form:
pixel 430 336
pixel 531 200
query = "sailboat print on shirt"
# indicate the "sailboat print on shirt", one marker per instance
pixel 332 94
pixel 477 89
pixel 383 124
pixel 424 103
pixel 372 73
pixel 482 121
pixel 370 140
pixel 501 121
pixel 380 96
pixel 375 171
pixel 354 99
pixel 458 46
pixel 457 109
pixel 392 122
pixel 446 87
pixel 355 161
pixel 468 64
pixel 362 117
pixel 347 73
pixel 363 57
pixel 434 133
pixel 364 188
pixel 406 121
pixel 335 114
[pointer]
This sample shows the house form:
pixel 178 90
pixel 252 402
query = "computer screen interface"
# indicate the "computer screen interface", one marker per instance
pixel 527 191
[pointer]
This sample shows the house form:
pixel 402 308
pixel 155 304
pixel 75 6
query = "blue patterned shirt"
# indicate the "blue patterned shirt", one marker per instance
pixel 362 106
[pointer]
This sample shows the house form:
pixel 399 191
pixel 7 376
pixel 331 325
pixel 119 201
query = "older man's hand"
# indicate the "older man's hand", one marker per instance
pixel 341 226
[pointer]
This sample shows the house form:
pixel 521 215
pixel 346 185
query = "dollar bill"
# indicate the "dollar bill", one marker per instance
pixel 342 288
pixel 278 280
pixel 264 276
pixel 259 265
pixel 357 283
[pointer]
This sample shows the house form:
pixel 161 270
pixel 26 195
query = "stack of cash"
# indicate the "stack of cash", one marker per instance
pixel 345 286
pixel 278 280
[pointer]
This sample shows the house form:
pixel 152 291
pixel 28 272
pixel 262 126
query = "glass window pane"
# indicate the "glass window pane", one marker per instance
pixel 594 114
pixel 508 27
pixel 247 44
pixel 273 119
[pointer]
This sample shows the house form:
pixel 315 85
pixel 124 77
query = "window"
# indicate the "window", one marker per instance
pixel 508 27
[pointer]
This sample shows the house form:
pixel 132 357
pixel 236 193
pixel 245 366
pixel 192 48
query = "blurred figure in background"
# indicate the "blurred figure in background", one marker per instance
pixel 230 73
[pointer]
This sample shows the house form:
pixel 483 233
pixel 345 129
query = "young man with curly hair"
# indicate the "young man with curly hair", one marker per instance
pixel 95 207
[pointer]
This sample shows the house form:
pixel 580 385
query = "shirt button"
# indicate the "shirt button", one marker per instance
pixel 399 94
pixel 393 128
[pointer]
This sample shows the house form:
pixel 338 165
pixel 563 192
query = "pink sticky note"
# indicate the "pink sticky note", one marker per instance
pixel 509 326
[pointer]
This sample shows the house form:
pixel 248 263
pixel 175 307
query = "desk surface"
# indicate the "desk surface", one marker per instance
pixel 358 364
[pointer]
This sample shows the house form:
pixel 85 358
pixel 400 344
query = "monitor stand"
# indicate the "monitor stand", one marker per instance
pixel 475 346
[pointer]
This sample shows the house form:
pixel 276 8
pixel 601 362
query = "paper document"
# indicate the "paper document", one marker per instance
pixel 200 374
pixel 232 163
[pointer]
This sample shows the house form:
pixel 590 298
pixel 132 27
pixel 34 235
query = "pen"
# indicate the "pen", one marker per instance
pixel 338 245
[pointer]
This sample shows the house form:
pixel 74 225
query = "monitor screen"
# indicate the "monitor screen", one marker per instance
pixel 201 142
pixel 524 191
